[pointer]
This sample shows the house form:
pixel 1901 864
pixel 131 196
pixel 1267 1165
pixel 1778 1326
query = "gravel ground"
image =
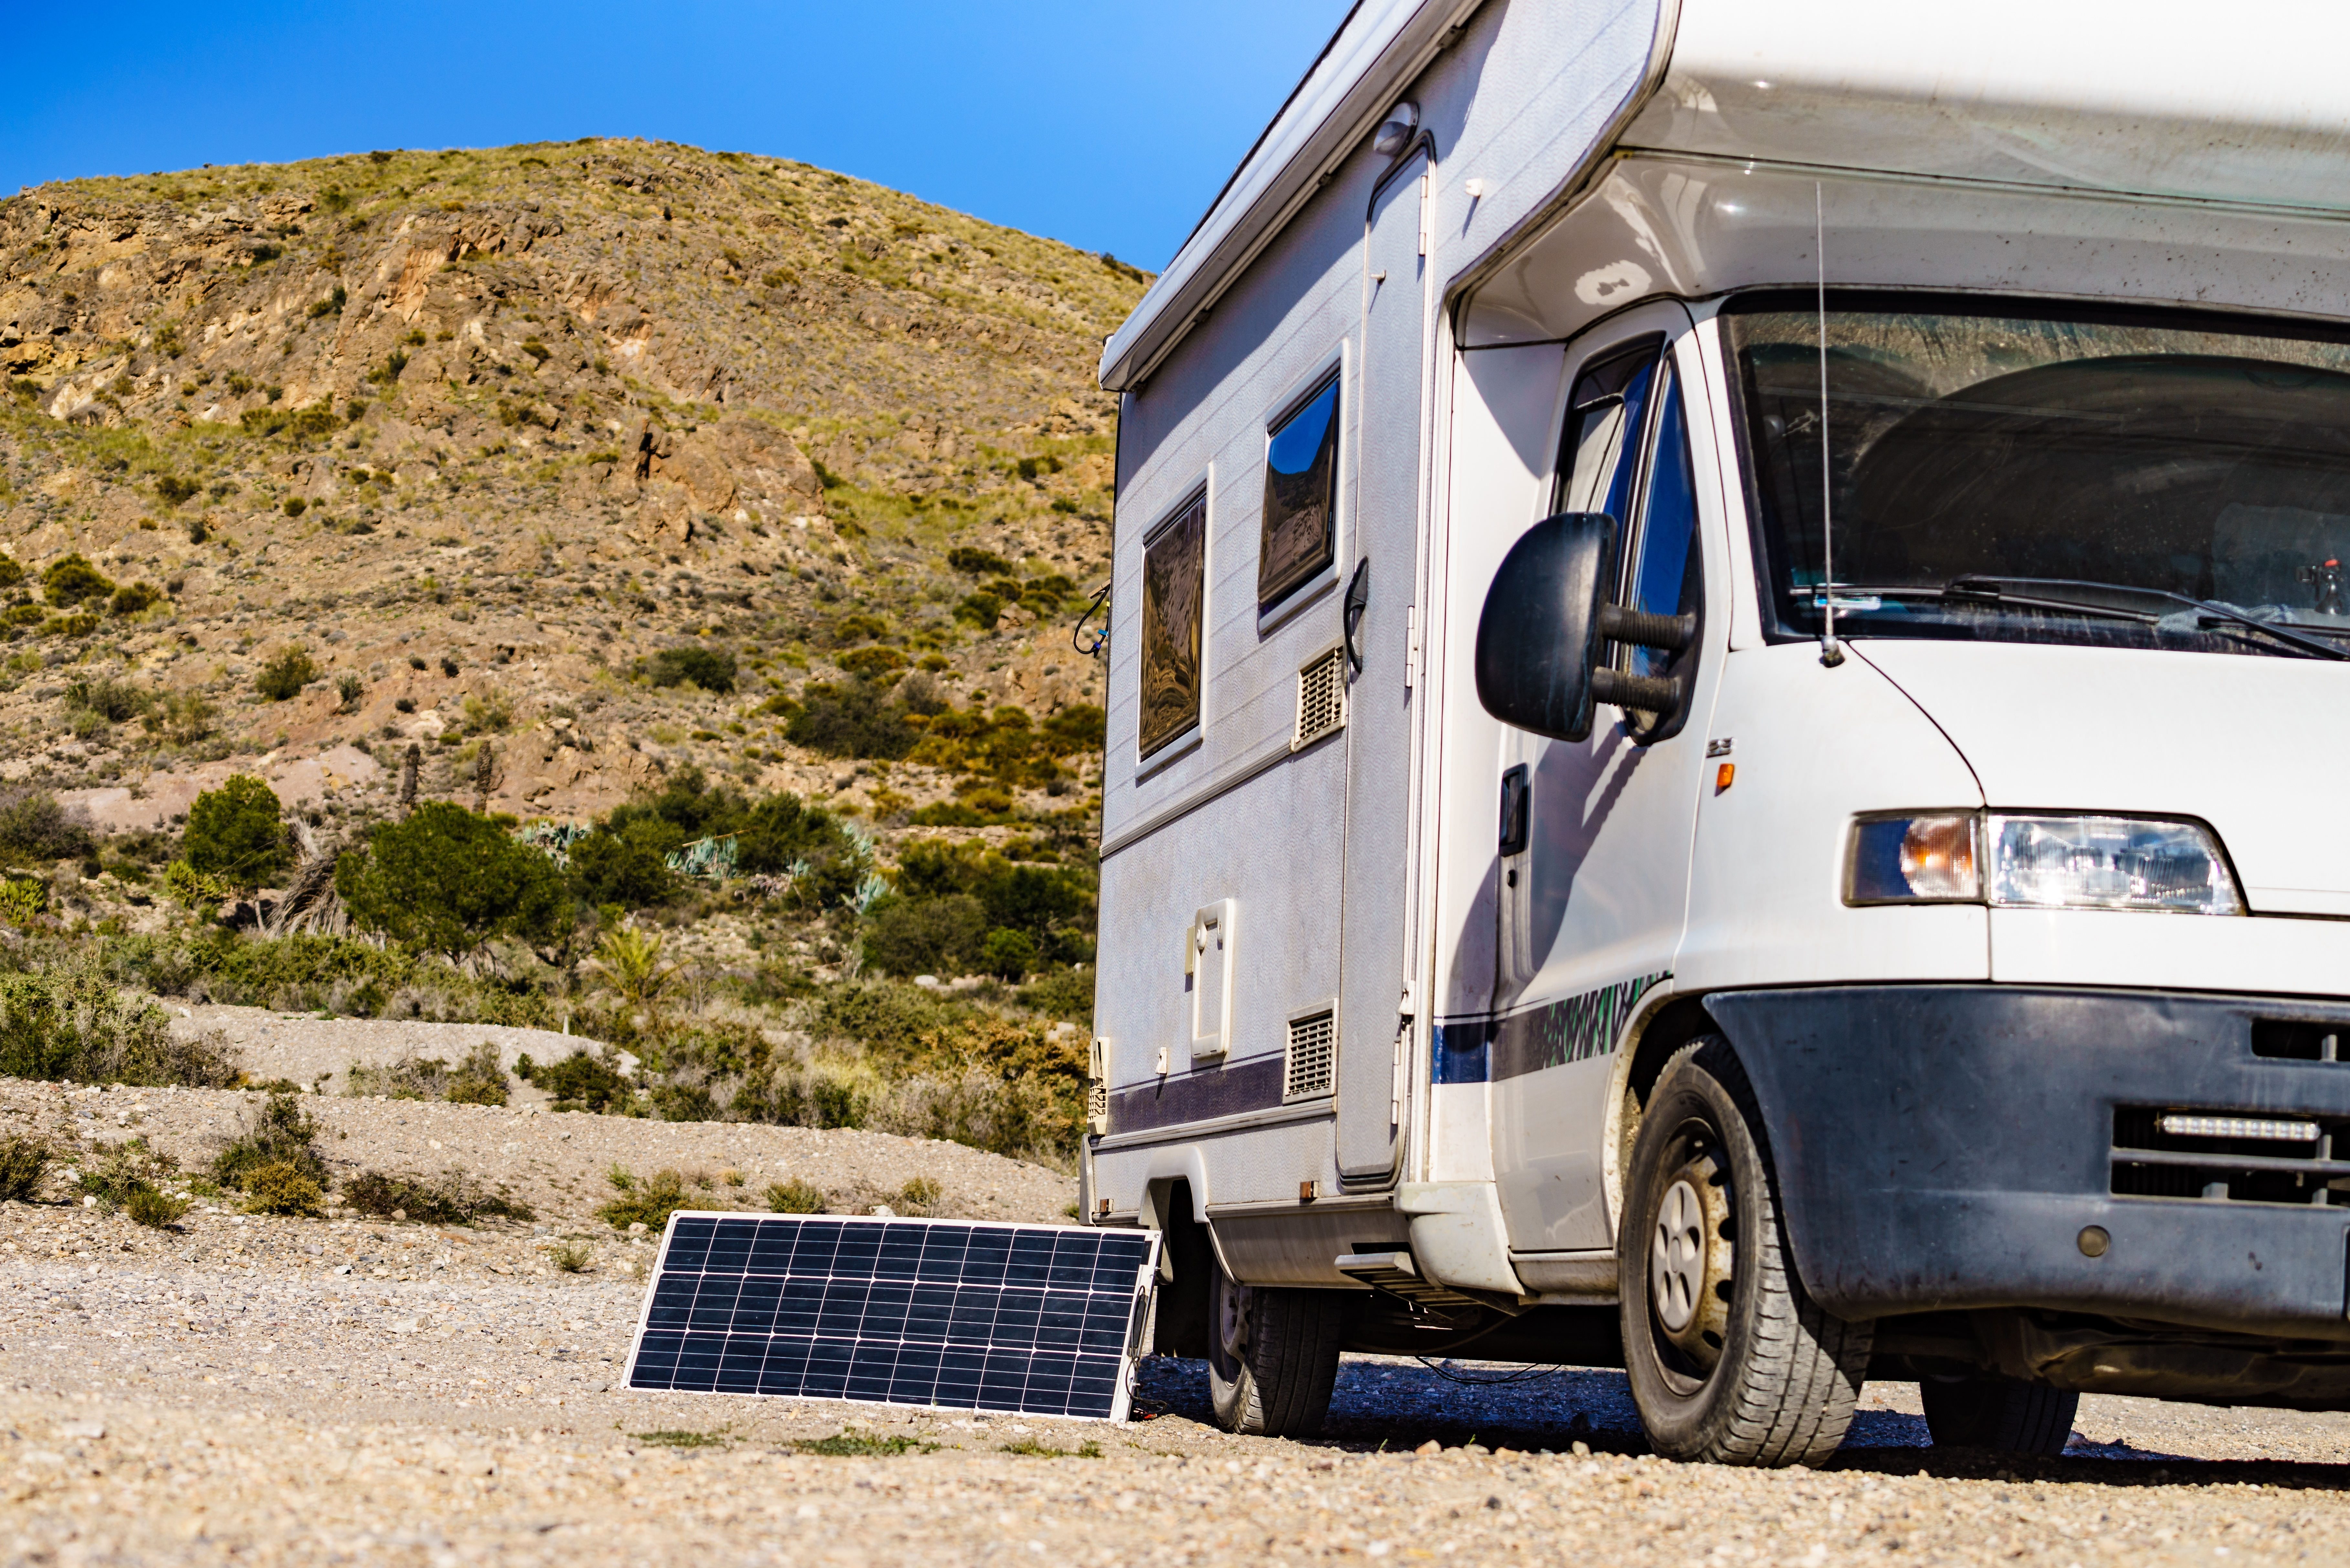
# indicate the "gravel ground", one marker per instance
pixel 267 1390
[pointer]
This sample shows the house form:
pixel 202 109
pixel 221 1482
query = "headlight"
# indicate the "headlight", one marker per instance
pixel 2108 863
pixel 2040 861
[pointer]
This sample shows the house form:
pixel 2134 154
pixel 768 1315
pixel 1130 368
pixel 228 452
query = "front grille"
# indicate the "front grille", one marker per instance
pixel 2228 1156
pixel 1313 1054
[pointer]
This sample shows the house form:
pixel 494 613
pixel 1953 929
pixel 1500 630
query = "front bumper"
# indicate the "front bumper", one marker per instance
pixel 1943 1146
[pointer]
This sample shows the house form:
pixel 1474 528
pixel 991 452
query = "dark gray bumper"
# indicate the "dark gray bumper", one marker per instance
pixel 1945 1145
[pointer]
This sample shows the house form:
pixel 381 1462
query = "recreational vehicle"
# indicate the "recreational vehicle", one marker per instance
pixel 1728 712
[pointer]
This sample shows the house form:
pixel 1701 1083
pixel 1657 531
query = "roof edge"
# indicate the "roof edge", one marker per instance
pixel 1350 84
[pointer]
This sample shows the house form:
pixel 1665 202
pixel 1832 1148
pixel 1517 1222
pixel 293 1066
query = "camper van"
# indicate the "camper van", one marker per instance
pixel 1728 717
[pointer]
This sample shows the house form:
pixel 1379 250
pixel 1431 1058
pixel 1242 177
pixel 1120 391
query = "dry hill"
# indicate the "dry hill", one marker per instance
pixel 483 435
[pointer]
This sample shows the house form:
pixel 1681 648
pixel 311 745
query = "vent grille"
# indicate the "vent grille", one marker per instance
pixel 1312 1054
pixel 1321 699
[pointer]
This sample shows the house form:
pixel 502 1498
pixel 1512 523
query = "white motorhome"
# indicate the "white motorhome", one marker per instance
pixel 1727 717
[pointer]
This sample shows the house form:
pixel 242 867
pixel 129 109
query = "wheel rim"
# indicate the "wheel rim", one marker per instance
pixel 1677 1257
pixel 1692 1259
pixel 1231 1319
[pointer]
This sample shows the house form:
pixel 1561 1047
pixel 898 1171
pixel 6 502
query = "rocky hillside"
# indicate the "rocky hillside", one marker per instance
pixel 485 452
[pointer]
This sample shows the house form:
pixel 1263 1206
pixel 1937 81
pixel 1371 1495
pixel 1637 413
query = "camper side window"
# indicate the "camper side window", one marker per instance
pixel 1174 580
pixel 1301 487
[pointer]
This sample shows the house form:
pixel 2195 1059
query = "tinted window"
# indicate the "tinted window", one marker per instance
pixel 1602 443
pixel 2107 456
pixel 1663 577
pixel 1174 566
pixel 1300 484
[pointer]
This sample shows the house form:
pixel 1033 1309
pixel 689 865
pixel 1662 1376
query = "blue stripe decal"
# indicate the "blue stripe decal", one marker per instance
pixel 1574 1029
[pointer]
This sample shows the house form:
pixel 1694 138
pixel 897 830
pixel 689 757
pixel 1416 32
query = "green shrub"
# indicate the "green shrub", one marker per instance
pixel 649 1203
pixel 24 1161
pixel 795 1196
pixel 71 580
pixel 452 1199
pixel 448 880
pixel 349 687
pixel 712 668
pixel 1061 993
pixel 113 1173
pixel 628 866
pixel 278 1133
pixel 284 675
pixel 132 598
pixel 237 833
pixel 920 1195
pixel 978 563
pixel 157 1211
pixel 983 610
pixel 861 1446
pixel 72 1021
pixel 281 1188
pixel 110 699
pixel 477 1079
pixel 295 507
pixel 35 826
pixel 583 1082
pixel 872 661
pixel 1008 954
pixel 171 489
pixel 857 720
pixel 927 936
pixel 569 1257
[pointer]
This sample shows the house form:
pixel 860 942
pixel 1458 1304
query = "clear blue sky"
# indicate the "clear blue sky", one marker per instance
pixel 1108 124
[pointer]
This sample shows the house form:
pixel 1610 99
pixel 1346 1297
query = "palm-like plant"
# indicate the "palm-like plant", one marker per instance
pixel 630 961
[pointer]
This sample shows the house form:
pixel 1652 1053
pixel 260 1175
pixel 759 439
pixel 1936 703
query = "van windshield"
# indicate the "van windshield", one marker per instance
pixel 2001 472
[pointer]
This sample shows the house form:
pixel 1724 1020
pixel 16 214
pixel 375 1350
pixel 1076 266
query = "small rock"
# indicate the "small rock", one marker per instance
pixel 636 1226
pixel 86 1431
pixel 1429 1447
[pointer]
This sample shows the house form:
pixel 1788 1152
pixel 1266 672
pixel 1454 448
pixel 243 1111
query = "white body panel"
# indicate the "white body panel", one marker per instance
pixel 1598 171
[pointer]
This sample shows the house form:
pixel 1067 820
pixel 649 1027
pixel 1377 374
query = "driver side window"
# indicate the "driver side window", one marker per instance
pixel 1625 452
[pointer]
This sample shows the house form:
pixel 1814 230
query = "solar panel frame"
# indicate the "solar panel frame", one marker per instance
pixel 1073 1332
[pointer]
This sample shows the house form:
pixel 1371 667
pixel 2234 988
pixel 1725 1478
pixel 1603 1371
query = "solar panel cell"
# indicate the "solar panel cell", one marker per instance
pixel 1041 1319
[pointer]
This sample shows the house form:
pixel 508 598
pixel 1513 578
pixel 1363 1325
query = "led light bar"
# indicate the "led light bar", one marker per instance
pixel 2178 1125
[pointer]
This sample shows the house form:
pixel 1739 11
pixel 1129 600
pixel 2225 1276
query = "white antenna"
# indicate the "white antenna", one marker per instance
pixel 1831 654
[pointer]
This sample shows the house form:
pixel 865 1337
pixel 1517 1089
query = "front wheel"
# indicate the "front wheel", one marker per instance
pixel 1272 1356
pixel 1730 1362
pixel 2001 1413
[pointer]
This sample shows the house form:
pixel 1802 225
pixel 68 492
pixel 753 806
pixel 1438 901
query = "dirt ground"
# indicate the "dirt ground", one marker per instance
pixel 260 1391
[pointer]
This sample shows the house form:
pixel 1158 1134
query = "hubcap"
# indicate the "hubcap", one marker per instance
pixel 1231 1318
pixel 1677 1261
pixel 1691 1259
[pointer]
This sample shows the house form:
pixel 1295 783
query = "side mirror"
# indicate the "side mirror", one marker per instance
pixel 1547 621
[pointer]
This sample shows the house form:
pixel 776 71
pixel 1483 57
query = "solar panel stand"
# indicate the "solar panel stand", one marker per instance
pixel 1039 1320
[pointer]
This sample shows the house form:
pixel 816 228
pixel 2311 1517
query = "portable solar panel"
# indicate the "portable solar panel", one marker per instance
pixel 1044 1319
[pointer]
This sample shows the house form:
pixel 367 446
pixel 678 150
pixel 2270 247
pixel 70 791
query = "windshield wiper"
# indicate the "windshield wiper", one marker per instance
pixel 2087 598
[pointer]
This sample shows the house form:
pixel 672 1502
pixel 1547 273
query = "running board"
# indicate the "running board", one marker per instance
pixel 1398 1275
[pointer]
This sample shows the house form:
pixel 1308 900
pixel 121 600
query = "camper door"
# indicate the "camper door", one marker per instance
pixel 1594 836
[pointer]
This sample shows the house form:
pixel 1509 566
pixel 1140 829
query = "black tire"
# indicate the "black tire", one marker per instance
pixel 1730 1362
pixel 1272 1356
pixel 2000 1413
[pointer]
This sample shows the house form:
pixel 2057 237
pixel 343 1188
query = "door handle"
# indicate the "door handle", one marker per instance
pixel 1517 799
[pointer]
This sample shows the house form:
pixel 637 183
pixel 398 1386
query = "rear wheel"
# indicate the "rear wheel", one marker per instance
pixel 1730 1362
pixel 1272 1356
pixel 2001 1413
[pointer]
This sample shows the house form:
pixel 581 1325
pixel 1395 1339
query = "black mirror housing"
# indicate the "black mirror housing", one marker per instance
pixel 1538 638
